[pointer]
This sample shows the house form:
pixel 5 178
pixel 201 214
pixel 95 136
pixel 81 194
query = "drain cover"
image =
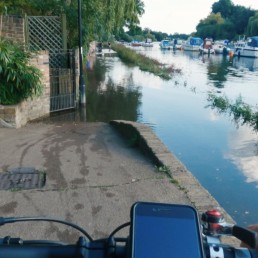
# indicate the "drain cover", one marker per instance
pixel 22 178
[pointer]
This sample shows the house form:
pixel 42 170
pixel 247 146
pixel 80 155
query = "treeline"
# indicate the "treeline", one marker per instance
pixel 101 19
pixel 139 34
pixel 228 21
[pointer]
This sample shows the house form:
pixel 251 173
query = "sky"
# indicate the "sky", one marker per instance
pixel 180 16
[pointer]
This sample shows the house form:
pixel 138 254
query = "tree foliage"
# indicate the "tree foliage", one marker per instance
pixel 215 26
pixel 240 17
pixel 224 7
pixel 226 21
pixel 252 27
pixel 100 18
pixel 241 112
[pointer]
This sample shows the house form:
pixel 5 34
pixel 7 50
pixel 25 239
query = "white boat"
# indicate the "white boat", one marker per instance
pixel 176 43
pixel 179 44
pixel 192 44
pixel 221 47
pixel 247 48
pixel 147 43
pixel 207 47
pixel 165 44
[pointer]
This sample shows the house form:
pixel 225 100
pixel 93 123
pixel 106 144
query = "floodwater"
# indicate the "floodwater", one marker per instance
pixel 220 152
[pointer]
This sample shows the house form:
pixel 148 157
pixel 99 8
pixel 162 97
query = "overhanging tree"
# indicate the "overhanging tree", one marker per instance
pixel 101 18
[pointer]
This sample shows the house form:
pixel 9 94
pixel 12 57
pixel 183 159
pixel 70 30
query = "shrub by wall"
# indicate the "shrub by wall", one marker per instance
pixel 15 116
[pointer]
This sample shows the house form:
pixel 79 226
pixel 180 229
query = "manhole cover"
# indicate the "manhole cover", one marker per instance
pixel 22 178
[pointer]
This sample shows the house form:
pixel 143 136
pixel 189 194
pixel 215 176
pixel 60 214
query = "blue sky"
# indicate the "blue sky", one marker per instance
pixel 180 16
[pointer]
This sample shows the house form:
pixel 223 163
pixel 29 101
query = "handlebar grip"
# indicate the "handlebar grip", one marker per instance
pixel 246 235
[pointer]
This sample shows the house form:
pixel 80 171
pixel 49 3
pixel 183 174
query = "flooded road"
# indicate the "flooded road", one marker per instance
pixel 219 151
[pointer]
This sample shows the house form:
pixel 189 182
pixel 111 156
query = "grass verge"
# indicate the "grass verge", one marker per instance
pixel 145 63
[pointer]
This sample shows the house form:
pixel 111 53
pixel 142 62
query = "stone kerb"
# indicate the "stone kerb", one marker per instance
pixel 16 116
pixel 143 137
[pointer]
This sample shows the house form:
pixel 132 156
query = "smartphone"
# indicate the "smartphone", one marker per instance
pixel 165 231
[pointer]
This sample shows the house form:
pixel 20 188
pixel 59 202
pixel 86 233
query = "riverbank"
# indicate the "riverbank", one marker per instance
pixel 93 176
pixel 150 145
pixel 145 63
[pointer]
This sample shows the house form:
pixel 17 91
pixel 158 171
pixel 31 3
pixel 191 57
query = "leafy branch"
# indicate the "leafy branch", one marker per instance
pixel 241 111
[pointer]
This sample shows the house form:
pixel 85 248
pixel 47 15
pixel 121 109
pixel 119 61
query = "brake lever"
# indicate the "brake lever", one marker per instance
pixel 215 225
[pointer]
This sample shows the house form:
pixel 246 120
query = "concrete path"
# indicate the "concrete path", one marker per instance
pixel 93 177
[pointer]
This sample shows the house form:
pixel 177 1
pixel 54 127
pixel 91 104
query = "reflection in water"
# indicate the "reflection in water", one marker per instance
pixel 244 63
pixel 244 152
pixel 193 55
pixel 78 115
pixel 107 100
pixel 220 68
pixel 218 71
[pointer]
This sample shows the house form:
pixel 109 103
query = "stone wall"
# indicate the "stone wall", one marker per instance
pixel 12 27
pixel 15 116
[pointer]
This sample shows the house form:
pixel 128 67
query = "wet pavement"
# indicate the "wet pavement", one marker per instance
pixel 93 176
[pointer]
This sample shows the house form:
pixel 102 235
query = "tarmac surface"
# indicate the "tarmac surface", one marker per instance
pixel 94 173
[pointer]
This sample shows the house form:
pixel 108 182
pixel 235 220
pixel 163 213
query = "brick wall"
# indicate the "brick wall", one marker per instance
pixel 12 27
pixel 15 116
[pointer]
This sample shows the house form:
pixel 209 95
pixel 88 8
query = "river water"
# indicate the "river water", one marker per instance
pixel 221 153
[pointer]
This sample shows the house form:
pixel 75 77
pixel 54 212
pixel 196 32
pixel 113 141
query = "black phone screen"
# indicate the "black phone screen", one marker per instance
pixel 165 231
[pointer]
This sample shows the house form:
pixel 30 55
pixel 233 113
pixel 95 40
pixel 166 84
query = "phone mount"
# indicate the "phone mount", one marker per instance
pixel 214 225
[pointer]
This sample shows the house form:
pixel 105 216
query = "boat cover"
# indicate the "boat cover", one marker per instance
pixel 196 41
pixel 165 42
pixel 253 42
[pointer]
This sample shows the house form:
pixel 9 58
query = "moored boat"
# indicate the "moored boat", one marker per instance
pixel 176 43
pixel 192 44
pixel 247 48
pixel 207 47
pixel 165 44
pixel 221 47
pixel 147 43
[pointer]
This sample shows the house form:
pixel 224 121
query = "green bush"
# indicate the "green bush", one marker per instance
pixel 18 79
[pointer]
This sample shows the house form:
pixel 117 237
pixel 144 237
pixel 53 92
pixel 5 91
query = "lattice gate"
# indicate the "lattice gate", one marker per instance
pixel 48 33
